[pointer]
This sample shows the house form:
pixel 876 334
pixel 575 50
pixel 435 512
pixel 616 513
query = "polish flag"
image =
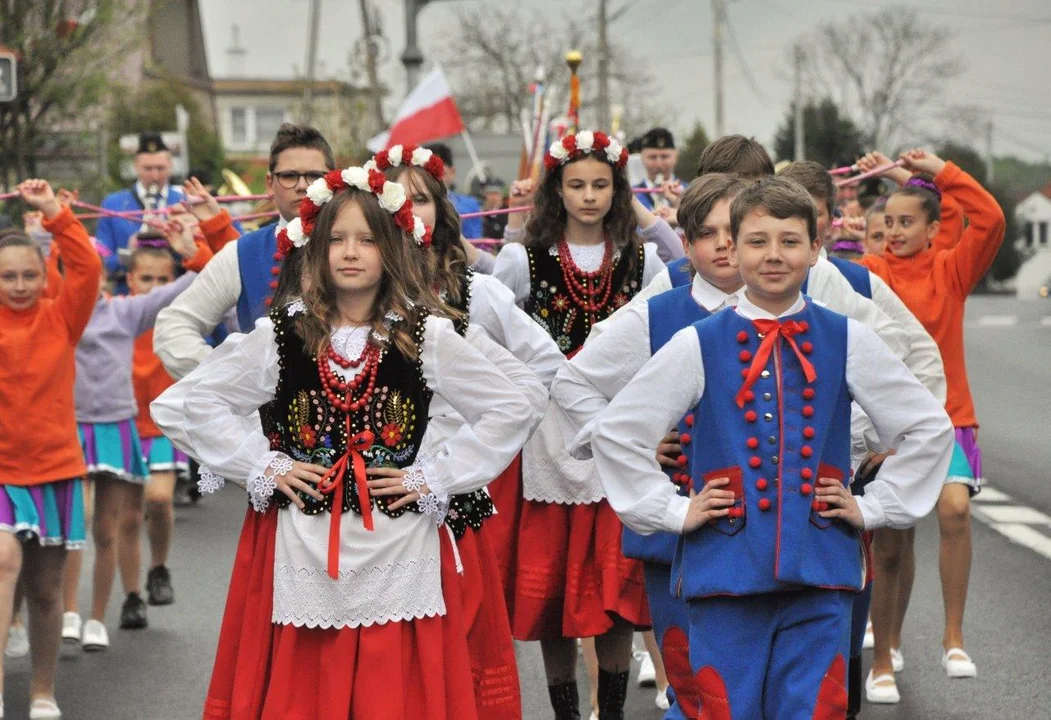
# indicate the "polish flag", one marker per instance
pixel 428 113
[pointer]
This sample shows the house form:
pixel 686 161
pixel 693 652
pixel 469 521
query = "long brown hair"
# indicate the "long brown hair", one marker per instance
pixel 403 288
pixel 449 260
pixel 548 219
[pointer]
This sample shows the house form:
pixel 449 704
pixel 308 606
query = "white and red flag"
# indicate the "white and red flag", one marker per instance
pixel 428 113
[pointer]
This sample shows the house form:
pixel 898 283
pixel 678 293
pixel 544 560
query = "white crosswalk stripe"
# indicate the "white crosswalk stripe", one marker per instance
pixel 1019 523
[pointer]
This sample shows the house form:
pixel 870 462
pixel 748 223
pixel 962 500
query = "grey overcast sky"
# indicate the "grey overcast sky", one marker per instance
pixel 1006 45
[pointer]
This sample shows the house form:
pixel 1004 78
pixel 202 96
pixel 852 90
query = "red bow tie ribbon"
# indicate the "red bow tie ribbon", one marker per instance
pixel 772 330
pixel 332 484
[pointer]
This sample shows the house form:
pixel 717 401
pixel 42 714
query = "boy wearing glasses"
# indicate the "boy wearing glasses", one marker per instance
pixel 242 275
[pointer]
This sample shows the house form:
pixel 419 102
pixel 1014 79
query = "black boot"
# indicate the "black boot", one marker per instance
pixel 565 700
pixel 854 684
pixel 612 692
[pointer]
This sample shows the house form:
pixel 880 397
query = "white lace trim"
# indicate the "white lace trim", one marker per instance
pixel 350 341
pixel 401 591
pixel 262 484
pixel 296 307
pixel 550 474
pixel 586 257
pixel 208 482
pixel 436 502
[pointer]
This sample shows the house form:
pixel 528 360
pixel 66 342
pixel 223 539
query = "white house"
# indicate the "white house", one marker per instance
pixel 1034 219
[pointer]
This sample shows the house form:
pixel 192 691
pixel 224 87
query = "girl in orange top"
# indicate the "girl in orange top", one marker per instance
pixel 41 494
pixel 934 283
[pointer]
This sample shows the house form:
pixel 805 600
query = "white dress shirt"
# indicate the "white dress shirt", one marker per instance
pixel 904 414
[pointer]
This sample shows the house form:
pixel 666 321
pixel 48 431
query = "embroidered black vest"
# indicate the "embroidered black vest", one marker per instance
pixel 301 422
pixel 550 304
pixel 469 509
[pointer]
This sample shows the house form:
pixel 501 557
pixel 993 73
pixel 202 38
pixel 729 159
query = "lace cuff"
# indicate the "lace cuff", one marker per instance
pixel 208 482
pixel 436 501
pixel 262 484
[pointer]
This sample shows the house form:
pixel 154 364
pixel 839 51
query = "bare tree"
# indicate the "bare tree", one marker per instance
pixel 499 47
pixel 70 51
pixel 886 69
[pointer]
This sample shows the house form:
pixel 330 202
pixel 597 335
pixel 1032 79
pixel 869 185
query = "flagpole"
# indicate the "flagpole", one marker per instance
pixel 478 169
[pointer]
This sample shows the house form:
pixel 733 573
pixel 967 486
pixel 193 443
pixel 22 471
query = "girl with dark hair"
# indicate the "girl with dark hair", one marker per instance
pixel 343 379
pixel 582 258
pixel 486 306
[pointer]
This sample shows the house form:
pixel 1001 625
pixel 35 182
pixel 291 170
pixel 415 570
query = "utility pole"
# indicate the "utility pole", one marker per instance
pixel 312 41
pixel 990 163
pixel 370 66
pixel 412 58
pixel 603 65
pixel 800 132
pixel 718 18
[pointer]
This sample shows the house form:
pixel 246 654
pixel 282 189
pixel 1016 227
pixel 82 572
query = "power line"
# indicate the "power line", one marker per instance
pixel 953 12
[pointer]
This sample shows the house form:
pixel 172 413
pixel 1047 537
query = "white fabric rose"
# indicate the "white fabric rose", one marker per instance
pixel 613 151
pixel 585 141
pixel 392 197
pixel 418 229
pixel 421 156
pixel 558 151
pixel 319 192
pixel 370 165
pixel 394 155
pixel 356 177
pixel 295 233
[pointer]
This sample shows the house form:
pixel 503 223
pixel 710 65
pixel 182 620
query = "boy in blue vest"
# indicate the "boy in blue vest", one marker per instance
pixel 771 555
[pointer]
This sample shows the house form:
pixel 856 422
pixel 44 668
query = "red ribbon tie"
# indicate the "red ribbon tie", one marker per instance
pixel 772 330
pixel 332 484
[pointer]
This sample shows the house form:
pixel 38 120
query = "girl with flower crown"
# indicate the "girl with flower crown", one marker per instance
pixel 581 259
pixel 343 379
pixel 487 308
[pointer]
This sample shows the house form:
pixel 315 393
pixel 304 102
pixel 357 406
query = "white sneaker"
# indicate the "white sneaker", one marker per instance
pixel 897 660
pixel 958 664
pixel 17 643
pixel 870 640
pixel 44 709
pixel 882 690
pixel 661 701
pixel 647 673
pixel 95 636
pixel 71 627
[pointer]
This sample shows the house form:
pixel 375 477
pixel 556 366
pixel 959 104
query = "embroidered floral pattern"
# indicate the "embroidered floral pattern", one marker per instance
pixel 261 486
pixel 414 479
pixel 208 482
pixel 391 434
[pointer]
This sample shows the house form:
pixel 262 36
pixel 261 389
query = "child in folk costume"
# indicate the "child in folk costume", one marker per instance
pixel 934 283
pixel 771 556
pixel 488 307
pixel 41 468
pixel 582 259
pixel 343 379
pixel 106 412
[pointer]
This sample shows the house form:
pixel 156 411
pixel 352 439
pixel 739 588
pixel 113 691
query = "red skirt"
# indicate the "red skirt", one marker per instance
pixel 417 669
pixel 571 579
pixel 494 669
pixel 502 528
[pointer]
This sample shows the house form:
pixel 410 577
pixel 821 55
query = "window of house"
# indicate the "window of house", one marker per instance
pixel 239 126
pixel 267 121
pixel 1030 234
pixel 1043 233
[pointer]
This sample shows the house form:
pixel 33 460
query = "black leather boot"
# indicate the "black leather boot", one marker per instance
pixel 855 682
pixel 612 692
pixel 565 700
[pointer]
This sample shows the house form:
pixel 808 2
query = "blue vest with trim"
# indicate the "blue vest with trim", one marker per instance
pixel 670 312
pixel 774 449
pixel 856 275
pixel 679 271
pixel 255 259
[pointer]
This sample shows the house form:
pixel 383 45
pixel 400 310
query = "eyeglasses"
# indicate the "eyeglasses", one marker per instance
pixel 288 179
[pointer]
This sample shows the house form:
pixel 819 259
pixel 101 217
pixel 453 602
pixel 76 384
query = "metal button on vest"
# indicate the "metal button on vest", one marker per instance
pixel 764 374
pixel 768 416
pixel 767 396
pixel 773 459
pixel 771 439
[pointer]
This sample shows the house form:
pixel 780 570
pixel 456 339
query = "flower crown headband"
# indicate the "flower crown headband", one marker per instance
pixel 414 155
pixel 584 143
pixel 391 197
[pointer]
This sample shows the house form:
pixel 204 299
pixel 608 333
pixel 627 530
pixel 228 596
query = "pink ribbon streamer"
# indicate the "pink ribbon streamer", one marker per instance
pixel 871 173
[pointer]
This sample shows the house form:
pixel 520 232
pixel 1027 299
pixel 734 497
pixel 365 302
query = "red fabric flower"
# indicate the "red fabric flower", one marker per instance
pixel 376 181
pixel 623 158
pixel 428 236
pixel 382 160
pixel 284 245
pixel 404 217
pixel 569 142
pixel 390 434
pixel 550 163
pixel 334 179
pixel 435 167
pixel 601 142
pixel 308 436
pixel 308 211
